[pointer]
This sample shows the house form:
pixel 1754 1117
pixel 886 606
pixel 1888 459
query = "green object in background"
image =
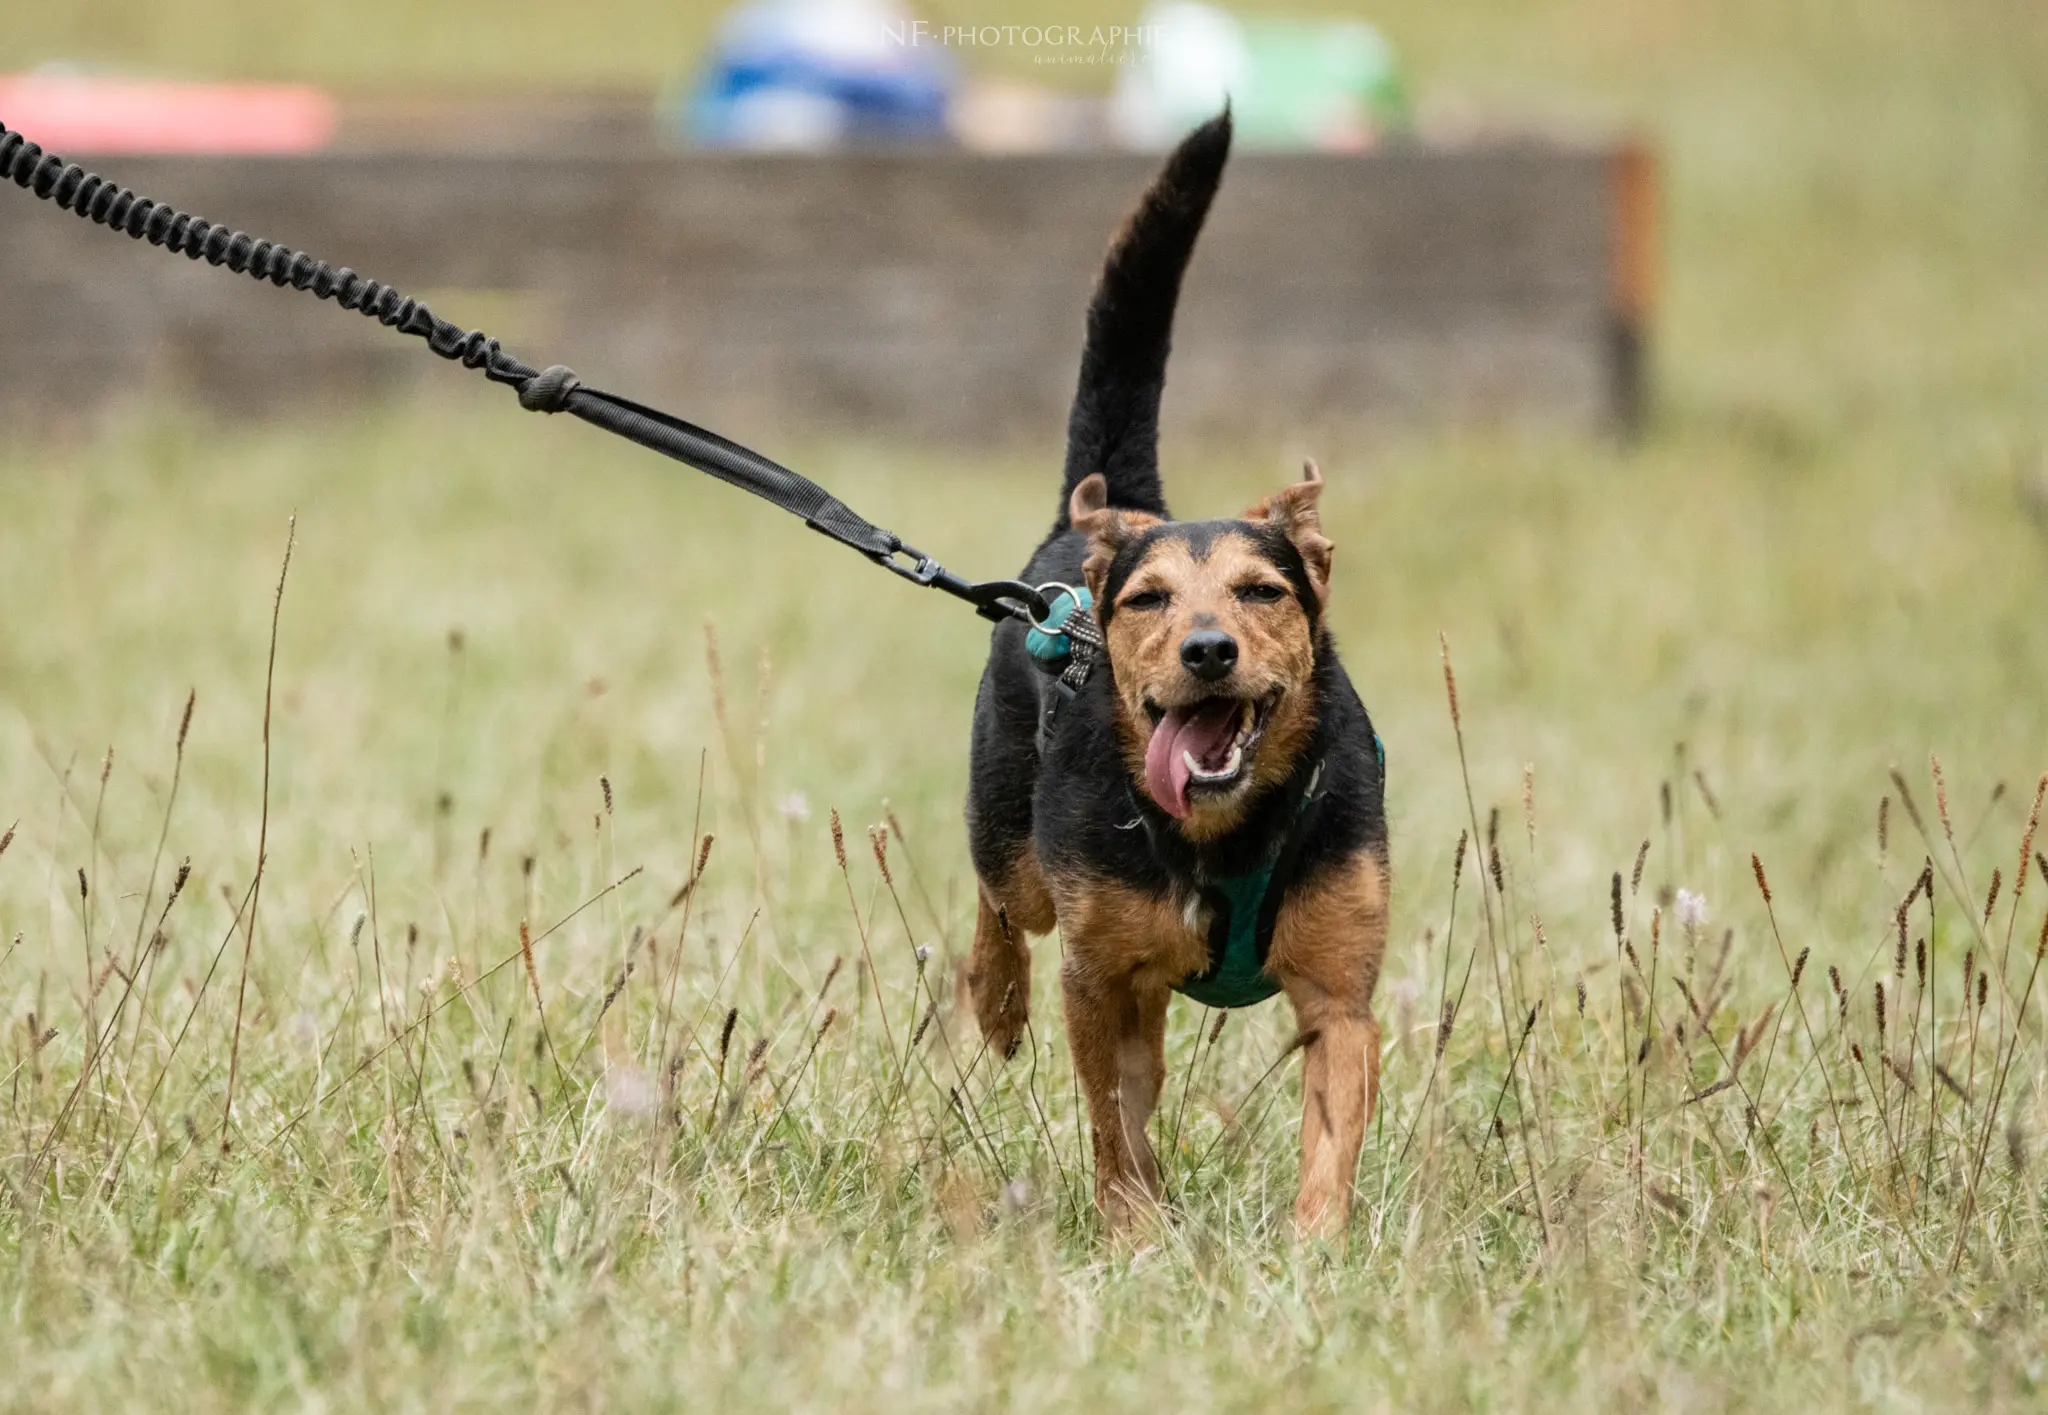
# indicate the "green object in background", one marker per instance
pixel 1332 85
pixel 1318 84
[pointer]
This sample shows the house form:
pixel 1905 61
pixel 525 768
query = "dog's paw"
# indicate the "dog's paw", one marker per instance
pixel 1319 1215
pixel 1001 1005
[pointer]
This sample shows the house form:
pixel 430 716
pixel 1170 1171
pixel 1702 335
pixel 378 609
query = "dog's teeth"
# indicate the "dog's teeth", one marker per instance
pixel 1222 773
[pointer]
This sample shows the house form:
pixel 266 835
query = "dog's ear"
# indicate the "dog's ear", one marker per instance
pixel 1294 511
pixel 1108 530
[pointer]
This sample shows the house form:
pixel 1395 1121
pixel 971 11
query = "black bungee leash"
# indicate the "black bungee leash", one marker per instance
pixel 554 389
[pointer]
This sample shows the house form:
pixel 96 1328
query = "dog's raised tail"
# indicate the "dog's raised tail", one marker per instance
pixel 1114 426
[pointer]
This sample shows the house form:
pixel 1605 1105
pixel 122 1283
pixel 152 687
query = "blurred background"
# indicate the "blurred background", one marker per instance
pixel 1682 361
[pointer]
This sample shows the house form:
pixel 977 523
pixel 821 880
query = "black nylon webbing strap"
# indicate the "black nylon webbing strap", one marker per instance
pixel 550 390
pixel 731 463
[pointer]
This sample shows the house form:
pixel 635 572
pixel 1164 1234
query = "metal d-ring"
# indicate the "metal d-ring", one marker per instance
pixel 1046 592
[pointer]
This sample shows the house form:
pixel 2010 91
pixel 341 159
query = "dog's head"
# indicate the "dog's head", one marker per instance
pixel 1212 630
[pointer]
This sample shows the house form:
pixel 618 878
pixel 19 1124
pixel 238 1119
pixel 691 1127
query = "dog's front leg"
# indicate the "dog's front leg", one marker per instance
pixel 1340 1082
pixel 1326 953
pixel 1118 1034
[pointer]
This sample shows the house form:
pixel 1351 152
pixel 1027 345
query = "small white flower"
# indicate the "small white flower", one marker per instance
pixel 629 1090
pixel 924 952
pixel 796 806
pixel 1692 909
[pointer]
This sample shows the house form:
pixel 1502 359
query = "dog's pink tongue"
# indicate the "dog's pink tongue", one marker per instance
pixel 1205 731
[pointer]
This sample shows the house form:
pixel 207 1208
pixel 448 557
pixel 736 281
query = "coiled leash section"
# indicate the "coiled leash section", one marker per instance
pixel 554 389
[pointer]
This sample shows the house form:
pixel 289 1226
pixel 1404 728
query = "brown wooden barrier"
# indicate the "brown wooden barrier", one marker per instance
pixel 930 295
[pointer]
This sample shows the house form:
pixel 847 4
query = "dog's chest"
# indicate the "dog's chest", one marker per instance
pixel 1114 930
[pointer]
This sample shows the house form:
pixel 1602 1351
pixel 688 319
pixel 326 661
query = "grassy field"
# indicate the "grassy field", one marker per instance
pixel 521 674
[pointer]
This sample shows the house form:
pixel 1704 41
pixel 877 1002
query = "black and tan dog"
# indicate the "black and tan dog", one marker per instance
pixel 1206 814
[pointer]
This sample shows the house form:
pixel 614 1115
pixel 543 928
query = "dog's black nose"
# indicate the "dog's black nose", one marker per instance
pixel 1209 654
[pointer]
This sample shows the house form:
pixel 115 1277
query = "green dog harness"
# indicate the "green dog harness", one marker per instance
pixel 1239 939
pixel 1242 918
pixel 1241 924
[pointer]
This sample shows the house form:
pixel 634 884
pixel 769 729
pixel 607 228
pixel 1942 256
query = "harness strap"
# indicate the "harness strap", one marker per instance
pixel 555 389
pixel 1244 909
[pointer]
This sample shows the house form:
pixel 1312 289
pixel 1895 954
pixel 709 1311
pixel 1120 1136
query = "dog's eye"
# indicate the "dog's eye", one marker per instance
pixel 1146 599
pixel 1263 592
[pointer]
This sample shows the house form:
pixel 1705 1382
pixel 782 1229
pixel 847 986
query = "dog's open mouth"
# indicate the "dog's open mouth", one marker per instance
pixel 1201 747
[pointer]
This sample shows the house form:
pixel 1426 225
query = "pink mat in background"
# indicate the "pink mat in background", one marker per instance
pixel 70 114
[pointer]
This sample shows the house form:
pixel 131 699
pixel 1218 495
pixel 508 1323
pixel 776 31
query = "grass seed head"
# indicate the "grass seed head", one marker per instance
pixel 1920 962
pixel 1799 966
pixel 838 840
pixel 1941 799
pixel 732 1017
pixel 1457 857
pixel 1763 885
pixel 1582 994
pixel 1614 904
pixel 7 839
pixel 1664 800
pixel 1884 826
pixel 1223 1014
pixel 526 953
pixel 1450 684
pixel 1878 1001
pixel 2019 879
pixel 1699 778
pixel 83 889
pixel 1493 867
pixel 605 784
pixel 1983 990
pixel 1991 896
pixel 931 1010
pixel 878 841
pixel 185 719
pixel 1635 879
